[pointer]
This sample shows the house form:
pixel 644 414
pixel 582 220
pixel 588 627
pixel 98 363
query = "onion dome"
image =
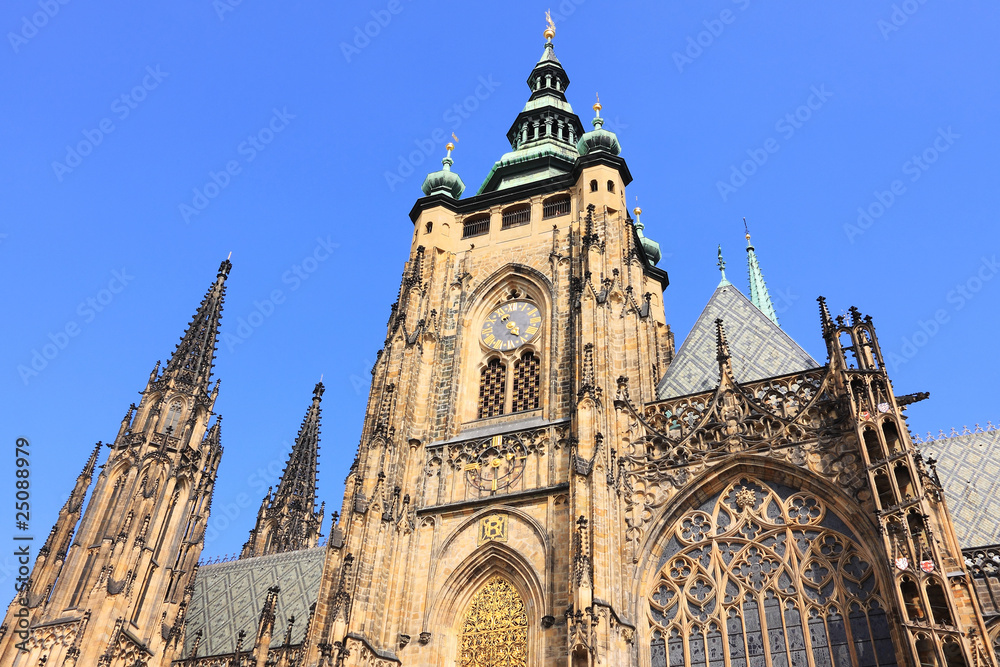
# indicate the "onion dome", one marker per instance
pixel 651 247
pixel 598 139
pixel 445 181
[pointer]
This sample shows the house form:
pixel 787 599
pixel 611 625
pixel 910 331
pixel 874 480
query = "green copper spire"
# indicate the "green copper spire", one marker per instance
pixel 722 269
pixel 759 295
pixel 543 137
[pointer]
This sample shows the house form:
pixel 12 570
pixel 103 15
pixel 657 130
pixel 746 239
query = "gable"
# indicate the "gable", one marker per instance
pixel 759 348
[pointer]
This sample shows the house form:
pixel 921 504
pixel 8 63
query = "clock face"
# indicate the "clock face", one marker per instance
pixel 511 325
pixel 498 465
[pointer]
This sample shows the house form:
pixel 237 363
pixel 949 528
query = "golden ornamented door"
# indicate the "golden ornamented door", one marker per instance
pixel 495 630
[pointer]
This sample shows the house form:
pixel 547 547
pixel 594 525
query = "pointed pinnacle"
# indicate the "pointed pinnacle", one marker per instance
pixel 826 321
pixel 88 470
pixel 721 344
pixel 194 356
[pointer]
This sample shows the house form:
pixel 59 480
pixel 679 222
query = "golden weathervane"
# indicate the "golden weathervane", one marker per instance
pixel 550 30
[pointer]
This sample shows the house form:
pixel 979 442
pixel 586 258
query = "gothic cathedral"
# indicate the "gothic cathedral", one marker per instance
pixel 541 479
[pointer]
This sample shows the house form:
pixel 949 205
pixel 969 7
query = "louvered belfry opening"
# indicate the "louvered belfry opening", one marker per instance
pixel 526 381
pixel 492 381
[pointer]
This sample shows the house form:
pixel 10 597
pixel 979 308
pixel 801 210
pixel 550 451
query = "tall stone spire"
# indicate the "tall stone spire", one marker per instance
pixel 120 573
pixel 287 520
pixel 194 356
pixel 759 295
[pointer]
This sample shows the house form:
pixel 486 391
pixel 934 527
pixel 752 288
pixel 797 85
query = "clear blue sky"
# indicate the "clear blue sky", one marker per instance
pixel 693 90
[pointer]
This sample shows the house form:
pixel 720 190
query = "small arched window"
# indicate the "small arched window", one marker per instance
pixel 926 655
pixel 476 225
pixel 891 436
pixel 556 206
pixel 873 446
pixel 886 497
pixel 911 600
pixel 953 655
pixel 492 388
pixel 526 382
pixel 515 216
pixel 173 417
pixel 939 604
pixel 428 227
pixel 904 481
pixel 593 186
pixel 611 186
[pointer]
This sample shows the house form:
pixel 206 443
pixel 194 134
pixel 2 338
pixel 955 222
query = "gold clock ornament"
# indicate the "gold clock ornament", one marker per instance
pixel 499 465
pixel 511 325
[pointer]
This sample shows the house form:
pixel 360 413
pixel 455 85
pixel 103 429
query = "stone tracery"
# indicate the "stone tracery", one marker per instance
pixel 762 570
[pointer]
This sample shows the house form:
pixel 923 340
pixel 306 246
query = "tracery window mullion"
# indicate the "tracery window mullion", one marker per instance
pixel 775 623
pixel 819 641
pixel 736 637
pixel 798 652
pixel 840 645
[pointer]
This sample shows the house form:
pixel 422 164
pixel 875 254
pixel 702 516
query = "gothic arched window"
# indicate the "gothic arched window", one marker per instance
pixel 495 630
pixel 764 574
pixel 526 381
pixel 492 388
pixel 173 418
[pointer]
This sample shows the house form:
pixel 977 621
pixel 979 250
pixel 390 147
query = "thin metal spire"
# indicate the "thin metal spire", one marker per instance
pixel 722 269
pixel 759 296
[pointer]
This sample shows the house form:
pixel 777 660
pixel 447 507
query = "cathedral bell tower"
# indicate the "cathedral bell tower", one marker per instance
pixel 111 588
pixel 486 461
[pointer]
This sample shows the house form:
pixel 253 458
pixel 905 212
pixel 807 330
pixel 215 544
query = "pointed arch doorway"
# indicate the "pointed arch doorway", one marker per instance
pixel 495 627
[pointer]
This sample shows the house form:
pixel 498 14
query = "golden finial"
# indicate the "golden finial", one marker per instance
pixel 597 105
pixel 550 30
pixel 637 211
pixel 449 146
pixel 747 229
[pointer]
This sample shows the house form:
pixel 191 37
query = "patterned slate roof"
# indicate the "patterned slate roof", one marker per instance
pixel 228 598
pixel 759 348
pixel 969 468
